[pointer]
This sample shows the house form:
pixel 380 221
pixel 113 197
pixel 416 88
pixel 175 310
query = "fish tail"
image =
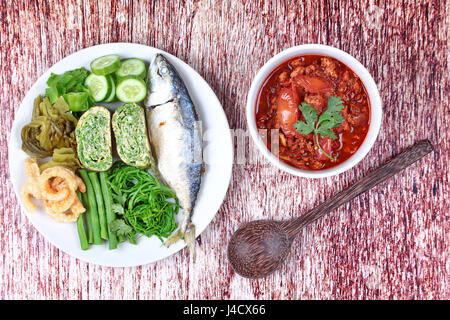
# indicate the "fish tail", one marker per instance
pixel 174 237
pixel 188 236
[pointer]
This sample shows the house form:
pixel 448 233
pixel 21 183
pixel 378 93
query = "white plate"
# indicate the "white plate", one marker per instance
pixel 217 151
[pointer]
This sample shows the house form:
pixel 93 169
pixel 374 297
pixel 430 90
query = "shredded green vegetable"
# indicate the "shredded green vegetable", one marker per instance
pixel 146 205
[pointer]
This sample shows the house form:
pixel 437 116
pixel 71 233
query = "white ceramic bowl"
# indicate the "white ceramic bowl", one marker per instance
pixel 352 63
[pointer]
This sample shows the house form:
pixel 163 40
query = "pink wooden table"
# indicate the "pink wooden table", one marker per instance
pixel 391 243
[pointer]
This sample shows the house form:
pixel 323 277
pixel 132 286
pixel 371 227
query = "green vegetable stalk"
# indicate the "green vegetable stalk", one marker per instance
pixel 81 229
pixel 147 207
pixel 92 206
pixel 110 214
pixel 100 204
pixel 78 101
pixel 90 233
pixel 70 85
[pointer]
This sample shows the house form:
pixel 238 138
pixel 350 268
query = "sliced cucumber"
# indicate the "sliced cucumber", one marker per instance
pixel 112 95
pixel 106 64
pixel 131 89
pixel 132 67
pixel 99 86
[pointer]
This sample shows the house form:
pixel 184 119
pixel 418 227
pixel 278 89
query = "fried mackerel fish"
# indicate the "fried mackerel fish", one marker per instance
pixel 93 135
pixel 133 147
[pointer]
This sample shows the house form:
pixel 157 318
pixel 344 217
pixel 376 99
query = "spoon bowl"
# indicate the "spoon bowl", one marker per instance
pixel 258 248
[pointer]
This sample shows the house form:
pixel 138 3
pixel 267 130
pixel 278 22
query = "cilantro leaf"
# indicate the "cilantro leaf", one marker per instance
pixel 120 228
pixel 119 198
pixel 310 115
pixel 118 209
pixel 325 129
pixel 303 127
pixel 329 119
pixel 335 103
pixel 333 112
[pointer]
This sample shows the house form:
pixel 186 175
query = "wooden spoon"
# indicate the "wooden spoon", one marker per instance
pixel 258 248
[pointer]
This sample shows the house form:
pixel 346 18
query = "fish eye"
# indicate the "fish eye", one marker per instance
pixel 163 70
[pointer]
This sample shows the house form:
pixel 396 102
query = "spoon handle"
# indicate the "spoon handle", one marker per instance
pixel 392 167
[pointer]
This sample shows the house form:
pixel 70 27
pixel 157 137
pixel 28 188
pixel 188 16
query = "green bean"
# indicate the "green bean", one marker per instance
pixel 81 229
pixel 90 233
pixel 110 215
pixel 92 206
pixel 100 204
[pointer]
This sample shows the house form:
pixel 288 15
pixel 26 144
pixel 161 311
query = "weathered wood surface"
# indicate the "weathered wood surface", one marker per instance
pixel 390 243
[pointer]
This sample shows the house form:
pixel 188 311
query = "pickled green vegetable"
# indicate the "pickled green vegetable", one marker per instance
pixel 51 127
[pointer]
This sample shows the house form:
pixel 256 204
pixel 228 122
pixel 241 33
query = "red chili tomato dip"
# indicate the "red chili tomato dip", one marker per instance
pixel 313 79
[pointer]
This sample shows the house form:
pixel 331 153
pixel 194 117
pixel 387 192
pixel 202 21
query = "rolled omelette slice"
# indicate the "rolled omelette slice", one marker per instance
pixel 129 127
pixel 93 134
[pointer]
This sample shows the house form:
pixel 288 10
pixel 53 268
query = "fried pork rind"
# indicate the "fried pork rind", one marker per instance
pixel 32 168
pixel 57 187
pixel 60 206
pixel 45 180
pixel 26 193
